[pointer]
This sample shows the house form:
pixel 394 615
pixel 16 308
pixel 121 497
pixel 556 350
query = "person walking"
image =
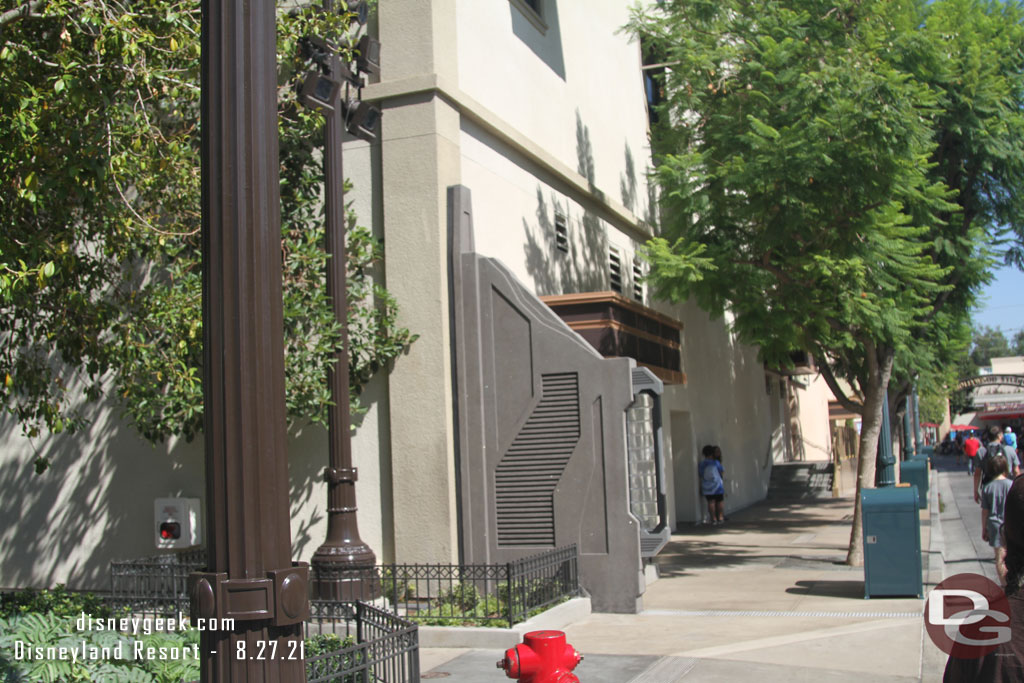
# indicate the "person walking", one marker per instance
pixel 712 484
pixel 1005 662
pixel 974 452
pixel 993 504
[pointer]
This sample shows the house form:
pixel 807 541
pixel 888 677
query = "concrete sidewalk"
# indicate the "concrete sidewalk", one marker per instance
pixel 767 597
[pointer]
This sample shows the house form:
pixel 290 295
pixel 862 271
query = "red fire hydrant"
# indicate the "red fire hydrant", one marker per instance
pixel 542 657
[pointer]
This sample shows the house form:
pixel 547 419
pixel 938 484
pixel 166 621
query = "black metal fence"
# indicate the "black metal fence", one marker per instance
pixel 428 594
pixel 154 586
pixel 378 642
pixel 384 648
pixel 465 595
pixel 372 645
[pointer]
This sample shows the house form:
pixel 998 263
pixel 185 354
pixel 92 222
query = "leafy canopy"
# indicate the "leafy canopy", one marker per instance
pixel 99 197
pixel 796 155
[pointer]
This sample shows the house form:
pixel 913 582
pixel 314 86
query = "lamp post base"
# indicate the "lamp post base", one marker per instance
pixel 344 573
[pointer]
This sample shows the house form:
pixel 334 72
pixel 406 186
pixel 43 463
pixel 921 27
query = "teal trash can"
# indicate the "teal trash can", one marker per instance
pixel 915 473
pixel 892 542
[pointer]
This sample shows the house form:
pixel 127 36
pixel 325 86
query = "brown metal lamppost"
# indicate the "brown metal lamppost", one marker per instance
pixel 250 578
pixel 343 566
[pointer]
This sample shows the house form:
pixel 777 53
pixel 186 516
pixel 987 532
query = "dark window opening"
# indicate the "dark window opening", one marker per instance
pixel 654 81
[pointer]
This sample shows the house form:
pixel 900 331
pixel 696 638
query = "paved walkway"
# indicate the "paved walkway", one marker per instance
pixel 766 597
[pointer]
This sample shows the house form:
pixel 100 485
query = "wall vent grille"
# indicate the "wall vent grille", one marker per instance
pixel 527 475
pixel 638 280
pixel 561 233
pixel 615 269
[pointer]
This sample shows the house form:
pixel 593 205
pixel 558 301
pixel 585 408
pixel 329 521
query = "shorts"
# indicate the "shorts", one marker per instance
pixel 717 497
pixel 993 528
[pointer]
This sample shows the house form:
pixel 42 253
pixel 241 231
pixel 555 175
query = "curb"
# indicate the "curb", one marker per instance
pixel 484 638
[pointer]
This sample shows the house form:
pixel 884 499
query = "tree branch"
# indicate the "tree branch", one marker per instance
pixel 20 12
pixel 833 384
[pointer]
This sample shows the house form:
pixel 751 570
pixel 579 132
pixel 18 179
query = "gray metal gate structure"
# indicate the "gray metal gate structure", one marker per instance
pixel 541 430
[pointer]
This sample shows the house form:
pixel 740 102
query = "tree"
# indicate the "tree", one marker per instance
pixel 99 196
pixel 807 185
pixel 988 343
pixel 961 400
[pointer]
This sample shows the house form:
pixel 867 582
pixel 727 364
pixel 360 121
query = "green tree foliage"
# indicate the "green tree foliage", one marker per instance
pixel 100 284
pixel 808 180
pixel 988 343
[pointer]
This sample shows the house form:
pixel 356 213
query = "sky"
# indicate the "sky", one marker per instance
pixel 1002 303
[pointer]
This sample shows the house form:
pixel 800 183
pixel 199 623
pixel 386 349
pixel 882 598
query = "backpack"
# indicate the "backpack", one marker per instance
pixel 710 479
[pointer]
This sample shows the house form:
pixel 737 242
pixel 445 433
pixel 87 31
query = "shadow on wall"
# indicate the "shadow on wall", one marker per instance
pixel 795 428
pixel 729 405
pixel 629 187
pixel 583 264
pixel 546 44
pixel 95 503
pixel 628 182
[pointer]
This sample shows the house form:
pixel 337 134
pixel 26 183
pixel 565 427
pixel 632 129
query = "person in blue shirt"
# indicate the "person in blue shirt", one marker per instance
pixel 1009 438
pixel 712 487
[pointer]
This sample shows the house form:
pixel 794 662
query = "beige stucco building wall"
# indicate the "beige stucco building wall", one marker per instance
pixel 813 440
pixel 536 117
pixel 95 503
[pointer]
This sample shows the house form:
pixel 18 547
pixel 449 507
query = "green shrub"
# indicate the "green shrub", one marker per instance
pixel 59 602
pixel 37 630
pixel 326 643
pixel 462 597
pixel 396 588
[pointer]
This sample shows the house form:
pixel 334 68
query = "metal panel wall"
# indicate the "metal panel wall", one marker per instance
pixel 541 429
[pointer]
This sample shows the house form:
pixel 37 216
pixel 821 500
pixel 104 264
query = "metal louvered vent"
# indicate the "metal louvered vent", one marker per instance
pixel 650 545
pixel 561 233
pixel 615 269
pixel 527 475
pixel 638 280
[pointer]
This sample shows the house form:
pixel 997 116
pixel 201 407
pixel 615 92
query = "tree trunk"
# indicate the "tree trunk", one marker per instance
pixel 880 360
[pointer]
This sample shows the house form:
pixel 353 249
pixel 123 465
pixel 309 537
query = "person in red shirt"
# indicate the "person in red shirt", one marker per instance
pixel 971 446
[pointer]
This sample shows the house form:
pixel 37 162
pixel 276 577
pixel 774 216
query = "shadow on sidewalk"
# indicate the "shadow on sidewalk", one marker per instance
pixel 829 589
pixel 785 534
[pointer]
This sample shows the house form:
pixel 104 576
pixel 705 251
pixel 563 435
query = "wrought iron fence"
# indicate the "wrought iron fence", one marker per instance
pixel 385 649
pixel 372 645
pixel 469 594
pixel 154 586
pixel 428 594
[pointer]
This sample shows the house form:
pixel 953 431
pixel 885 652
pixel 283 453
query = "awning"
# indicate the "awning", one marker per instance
pixel 1004 413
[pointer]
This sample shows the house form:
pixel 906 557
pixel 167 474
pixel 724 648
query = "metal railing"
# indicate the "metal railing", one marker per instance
pixel 385 649
pixel 374 646
pixel 465 595
pixel 428 594
pixel 154 586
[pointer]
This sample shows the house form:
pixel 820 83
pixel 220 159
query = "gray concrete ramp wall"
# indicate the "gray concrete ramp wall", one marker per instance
pixel 540 429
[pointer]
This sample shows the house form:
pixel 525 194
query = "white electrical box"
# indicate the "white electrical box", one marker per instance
pixel 177 522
